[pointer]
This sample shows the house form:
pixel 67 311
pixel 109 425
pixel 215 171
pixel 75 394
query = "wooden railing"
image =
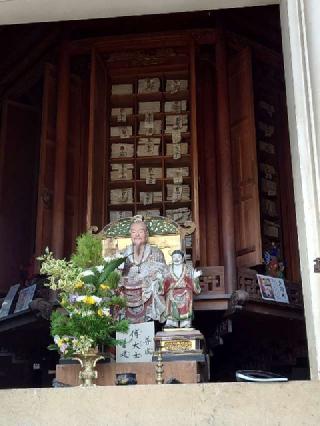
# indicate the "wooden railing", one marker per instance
pixel 212 280
pixel 213 293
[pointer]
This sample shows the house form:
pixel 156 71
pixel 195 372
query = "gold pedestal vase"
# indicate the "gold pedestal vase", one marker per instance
pixel 88 373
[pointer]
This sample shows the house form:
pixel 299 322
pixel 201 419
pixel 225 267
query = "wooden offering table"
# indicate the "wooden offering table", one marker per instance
pixel 183 371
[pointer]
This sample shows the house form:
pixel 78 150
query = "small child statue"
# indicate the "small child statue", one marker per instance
pixel 179 286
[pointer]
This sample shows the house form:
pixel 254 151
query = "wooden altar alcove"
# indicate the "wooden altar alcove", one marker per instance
pixel 216 245
pixel 227 74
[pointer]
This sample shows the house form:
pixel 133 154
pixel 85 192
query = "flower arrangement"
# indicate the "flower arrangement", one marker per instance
pixel 87 290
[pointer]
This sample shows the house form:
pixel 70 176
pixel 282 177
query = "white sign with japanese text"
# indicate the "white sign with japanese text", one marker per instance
pixel 138 345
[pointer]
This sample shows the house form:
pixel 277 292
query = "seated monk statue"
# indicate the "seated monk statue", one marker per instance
pixel 142 276
pixel 181 282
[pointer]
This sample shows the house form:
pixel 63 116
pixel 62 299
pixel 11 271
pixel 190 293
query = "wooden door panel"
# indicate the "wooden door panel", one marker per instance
pixel 74 172
pixel 244 161
pixel 47 160
pixel 206 139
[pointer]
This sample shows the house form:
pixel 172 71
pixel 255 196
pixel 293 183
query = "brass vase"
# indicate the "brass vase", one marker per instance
pixel 88 373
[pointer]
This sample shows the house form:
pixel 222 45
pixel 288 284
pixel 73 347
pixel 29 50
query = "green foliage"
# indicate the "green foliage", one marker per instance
pixel 113 279
pixel 118 301
pixel 88 291
pixel 88 251
pixel 109 268
pixel 101 330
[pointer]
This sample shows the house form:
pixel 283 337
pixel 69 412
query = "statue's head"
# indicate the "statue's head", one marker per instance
pixel 139 231
pixel 178 257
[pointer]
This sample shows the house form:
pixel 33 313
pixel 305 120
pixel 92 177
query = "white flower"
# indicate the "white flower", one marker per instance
pixel 97 299
pixel 106 312
pixel 99 268
pixel 197 274
pixel 90 300
pixel 87 273
pixel 115 256
pixel 87 313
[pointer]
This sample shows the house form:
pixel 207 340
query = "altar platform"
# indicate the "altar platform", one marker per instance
pixel 183 371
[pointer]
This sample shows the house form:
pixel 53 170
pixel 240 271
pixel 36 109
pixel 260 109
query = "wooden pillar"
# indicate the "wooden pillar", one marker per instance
pixel 61 154
pixel 91 143
pixel 194 153
pixel 225 168
pixel 208 190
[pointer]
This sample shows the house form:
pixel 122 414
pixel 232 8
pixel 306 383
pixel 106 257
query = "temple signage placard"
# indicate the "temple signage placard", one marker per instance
pixel 138 345
pixel 25 297
pixel 6 305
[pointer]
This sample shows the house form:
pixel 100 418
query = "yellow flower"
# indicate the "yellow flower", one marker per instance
pixel 105 312
pixel 78 284
pixel 104 286
pixel 89 300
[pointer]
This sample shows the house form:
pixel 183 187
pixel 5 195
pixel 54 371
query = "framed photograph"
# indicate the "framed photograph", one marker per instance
pixel 266 289
pixel 272 289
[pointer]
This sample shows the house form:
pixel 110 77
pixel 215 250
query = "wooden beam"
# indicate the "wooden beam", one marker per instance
pixel 211 305
pixel 276 311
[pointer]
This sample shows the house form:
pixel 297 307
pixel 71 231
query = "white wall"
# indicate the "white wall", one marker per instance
pixel 301 43
pixel 292 404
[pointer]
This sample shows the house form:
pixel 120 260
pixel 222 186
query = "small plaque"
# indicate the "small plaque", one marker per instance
pixel 174 86
pixel 148 120
pixel 6 305
pixel 122 132
pixel 147 198
pixel 176 151
pixel 178 345
pixel 149 85
pixel 150 180
pixel 25 297
pixel 138 343
pixel 121 196
pixel 176 136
